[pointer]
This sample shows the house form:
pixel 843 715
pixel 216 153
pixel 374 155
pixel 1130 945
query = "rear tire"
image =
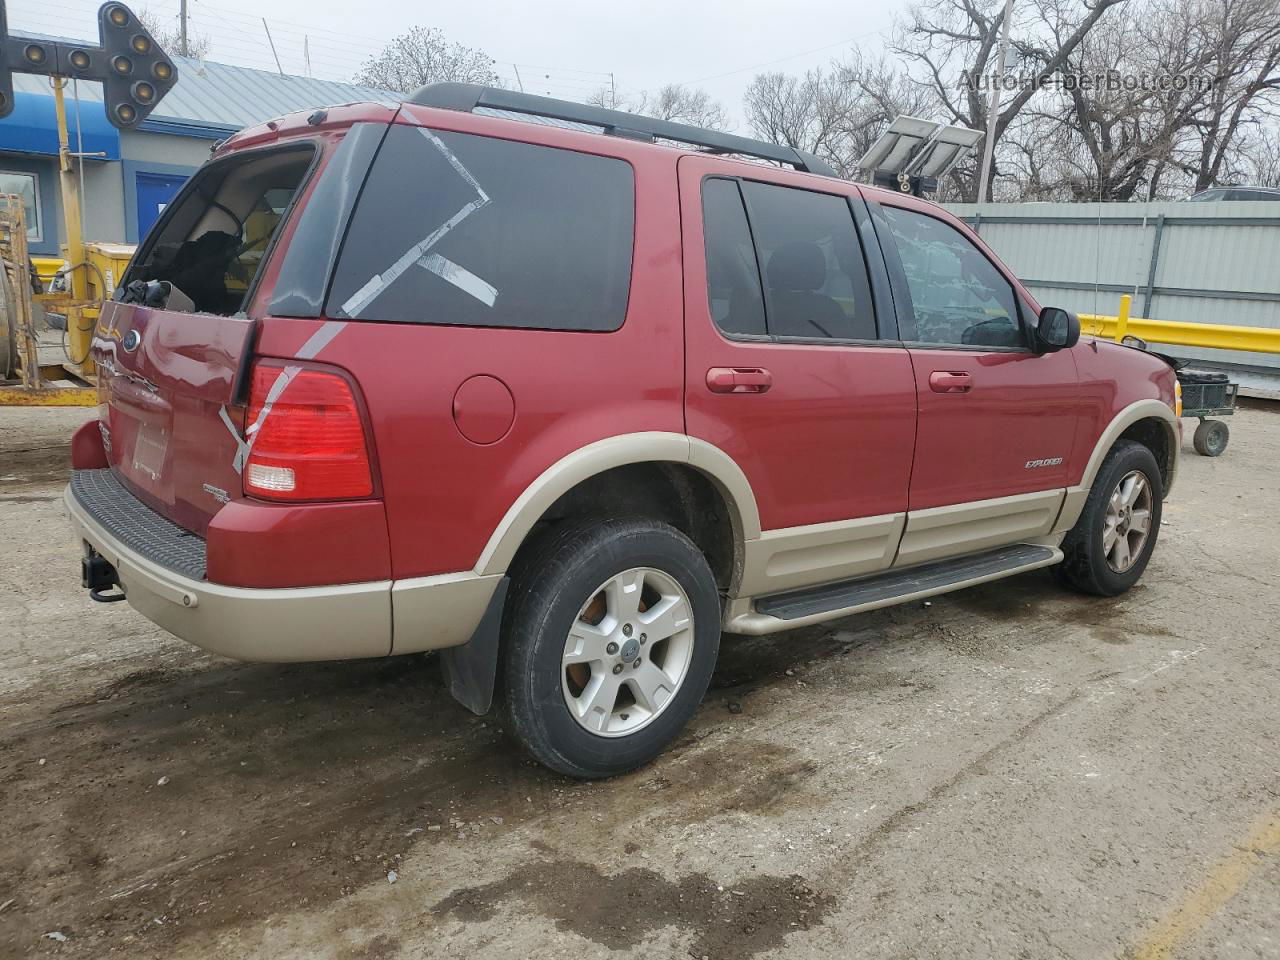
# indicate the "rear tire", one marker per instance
pixel 1211 438
pixel 1109 547
pixel 612 632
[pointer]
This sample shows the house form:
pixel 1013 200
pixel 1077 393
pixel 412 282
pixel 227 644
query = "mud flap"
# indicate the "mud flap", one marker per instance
pixel 471 669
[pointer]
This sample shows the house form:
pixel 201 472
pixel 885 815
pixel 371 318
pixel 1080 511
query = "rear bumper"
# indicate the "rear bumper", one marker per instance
pixel 342 621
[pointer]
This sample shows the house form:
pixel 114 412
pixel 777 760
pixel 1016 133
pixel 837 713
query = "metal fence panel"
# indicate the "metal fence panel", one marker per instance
pixel 1190 262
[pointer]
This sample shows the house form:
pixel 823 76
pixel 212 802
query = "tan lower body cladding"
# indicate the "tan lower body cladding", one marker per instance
pixel 797 557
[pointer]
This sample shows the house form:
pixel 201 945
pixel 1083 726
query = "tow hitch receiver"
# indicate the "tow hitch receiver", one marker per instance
pixel 98 575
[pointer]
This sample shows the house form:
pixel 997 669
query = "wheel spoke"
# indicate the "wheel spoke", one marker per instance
pixel 1120 554
pixel 586 642
pixel 595 706
pixel 1109 534
pixel 623 595
pixel 665 618
pixel 1141 521
pixel 650 686
pixel 1132 488
pixel 1116 502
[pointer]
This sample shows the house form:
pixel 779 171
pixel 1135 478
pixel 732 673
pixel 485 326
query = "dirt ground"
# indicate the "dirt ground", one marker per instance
pixel 1012 771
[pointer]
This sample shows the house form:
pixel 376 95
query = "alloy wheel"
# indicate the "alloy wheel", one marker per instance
pixel 628 652
pixel 1127 522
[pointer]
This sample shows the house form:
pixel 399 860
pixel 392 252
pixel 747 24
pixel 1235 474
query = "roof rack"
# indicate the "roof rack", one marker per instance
pixel 466 97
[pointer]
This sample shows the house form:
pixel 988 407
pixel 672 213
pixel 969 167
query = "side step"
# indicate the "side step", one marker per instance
pixel 895 586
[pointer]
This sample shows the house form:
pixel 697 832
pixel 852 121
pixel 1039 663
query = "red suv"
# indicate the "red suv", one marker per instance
pixel 565 403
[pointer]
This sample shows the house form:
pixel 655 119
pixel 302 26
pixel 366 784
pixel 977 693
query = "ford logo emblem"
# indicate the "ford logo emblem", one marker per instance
pixel 131 340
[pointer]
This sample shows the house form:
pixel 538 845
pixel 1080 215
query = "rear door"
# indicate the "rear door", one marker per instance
pixel 996 420
pixel 792 367
pixel 168 373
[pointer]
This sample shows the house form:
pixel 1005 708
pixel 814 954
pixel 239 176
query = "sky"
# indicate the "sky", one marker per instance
pixel 559 47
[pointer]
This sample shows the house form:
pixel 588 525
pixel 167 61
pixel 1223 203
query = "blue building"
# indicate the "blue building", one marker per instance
pixel 132 174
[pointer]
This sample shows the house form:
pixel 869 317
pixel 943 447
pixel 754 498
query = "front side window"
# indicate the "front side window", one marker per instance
pixel 958 297
pixel 464 230
pixel 26 186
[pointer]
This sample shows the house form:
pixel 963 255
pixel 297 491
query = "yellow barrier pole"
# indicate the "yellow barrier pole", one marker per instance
pixel 1122 320
pixel 78 337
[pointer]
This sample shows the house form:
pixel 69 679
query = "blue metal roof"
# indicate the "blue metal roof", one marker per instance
pixel 32 128
pixel 215 99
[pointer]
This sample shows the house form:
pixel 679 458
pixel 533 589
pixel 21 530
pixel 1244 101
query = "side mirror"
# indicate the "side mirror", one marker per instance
pixel 1056 329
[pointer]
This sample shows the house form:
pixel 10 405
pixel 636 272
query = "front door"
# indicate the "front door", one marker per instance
pixel 788 369
pixel 996 420
pixel 154 190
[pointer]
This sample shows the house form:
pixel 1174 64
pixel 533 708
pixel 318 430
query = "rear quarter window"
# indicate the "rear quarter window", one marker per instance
pixel 473 231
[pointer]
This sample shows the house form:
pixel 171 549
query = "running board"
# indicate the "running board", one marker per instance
pixel 797 608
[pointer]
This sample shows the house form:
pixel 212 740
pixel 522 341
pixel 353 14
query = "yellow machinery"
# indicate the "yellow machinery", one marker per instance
pixel 89 278
pixel 135 74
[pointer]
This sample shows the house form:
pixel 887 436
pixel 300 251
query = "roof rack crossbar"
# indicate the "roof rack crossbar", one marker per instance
pixel 466 97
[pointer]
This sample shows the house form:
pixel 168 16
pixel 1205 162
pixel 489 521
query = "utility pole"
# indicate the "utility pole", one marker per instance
pixel 993 103
pixel 518 80
pixel 182 29
pixel 306 52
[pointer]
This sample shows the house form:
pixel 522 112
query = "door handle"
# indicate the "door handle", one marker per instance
pixel 950 381
pixel 739 380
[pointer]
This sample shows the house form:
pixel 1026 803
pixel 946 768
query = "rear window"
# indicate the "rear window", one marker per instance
pixel 211 245
pixel 465 230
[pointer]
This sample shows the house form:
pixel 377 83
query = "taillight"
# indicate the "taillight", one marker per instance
pixel 310 444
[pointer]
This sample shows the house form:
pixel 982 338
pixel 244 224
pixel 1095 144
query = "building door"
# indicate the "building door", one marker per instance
pixel 155 190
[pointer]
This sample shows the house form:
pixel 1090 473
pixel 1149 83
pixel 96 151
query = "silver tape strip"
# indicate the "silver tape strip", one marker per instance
pixel 308 351
pixel 461 277
pixel 378 283
pixel 455 163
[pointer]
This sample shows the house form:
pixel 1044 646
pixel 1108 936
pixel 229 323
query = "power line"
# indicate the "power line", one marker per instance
pixel 792 56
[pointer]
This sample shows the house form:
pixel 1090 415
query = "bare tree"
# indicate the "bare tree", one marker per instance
pixel 1261 159
pixel 813 113
pixel 1242 40
pixel 673 101
pixel 423 56
pixel 951 45
pixel 835 114
pixel 166 32
pixel 1141 134
pixel 1115 138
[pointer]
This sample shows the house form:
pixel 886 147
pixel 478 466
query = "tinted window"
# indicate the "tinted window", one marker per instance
pixel 459 229
pixel 733 278
pixel 814 276
pixel 957 294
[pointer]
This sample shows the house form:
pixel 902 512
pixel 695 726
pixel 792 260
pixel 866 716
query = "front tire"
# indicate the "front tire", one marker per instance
pixel 1109 547
pixel 612 633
